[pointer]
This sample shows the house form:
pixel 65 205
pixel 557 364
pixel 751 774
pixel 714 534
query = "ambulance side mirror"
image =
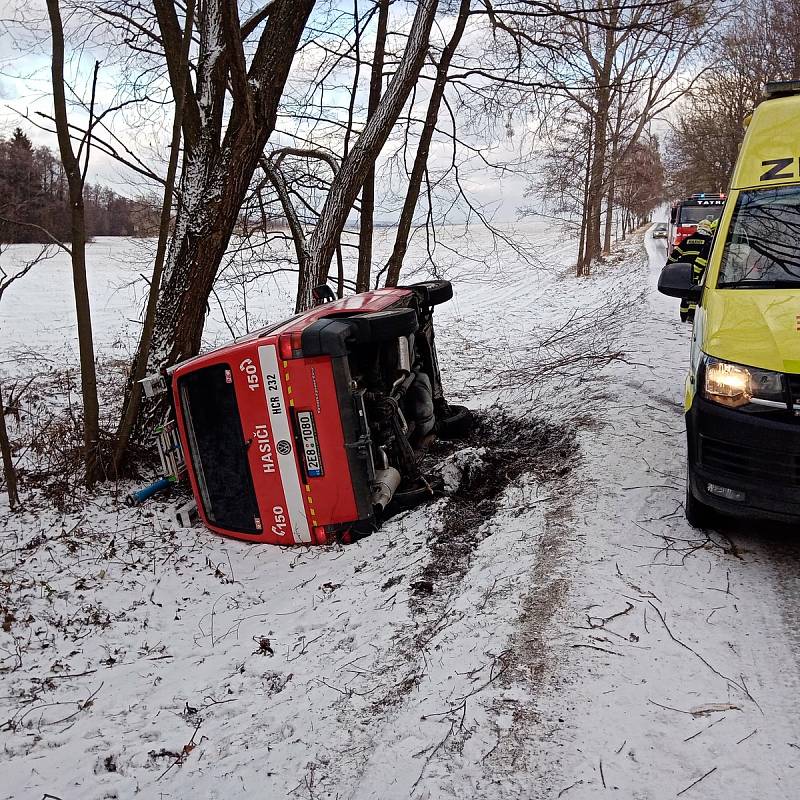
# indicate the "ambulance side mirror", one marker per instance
pixel 676 281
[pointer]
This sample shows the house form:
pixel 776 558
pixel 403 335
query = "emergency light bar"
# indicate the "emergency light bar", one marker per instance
pixel 781 89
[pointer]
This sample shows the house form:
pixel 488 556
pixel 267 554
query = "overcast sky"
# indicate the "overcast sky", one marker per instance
pixel 25 94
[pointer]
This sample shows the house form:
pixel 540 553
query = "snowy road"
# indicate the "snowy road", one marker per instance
pixel 554 630
pixel 698 670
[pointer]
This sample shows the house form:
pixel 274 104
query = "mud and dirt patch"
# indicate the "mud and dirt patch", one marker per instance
pixel 499 451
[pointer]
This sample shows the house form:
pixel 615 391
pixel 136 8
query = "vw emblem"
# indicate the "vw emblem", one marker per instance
pixel 284 448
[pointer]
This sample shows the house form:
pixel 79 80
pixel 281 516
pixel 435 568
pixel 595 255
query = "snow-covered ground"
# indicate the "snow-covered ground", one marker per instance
pixel 554 629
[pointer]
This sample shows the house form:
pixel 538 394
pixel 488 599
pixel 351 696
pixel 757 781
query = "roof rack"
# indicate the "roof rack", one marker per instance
pixel 781 89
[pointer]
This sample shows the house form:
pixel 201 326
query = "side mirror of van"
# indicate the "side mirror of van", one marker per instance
pixel 676 281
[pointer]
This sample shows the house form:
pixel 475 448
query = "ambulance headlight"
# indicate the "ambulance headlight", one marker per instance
pixel 734 385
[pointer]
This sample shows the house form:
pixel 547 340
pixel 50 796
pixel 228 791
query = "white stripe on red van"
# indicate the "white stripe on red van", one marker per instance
pixel 283 442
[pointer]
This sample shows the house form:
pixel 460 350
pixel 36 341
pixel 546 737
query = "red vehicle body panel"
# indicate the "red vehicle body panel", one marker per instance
pixel 294 505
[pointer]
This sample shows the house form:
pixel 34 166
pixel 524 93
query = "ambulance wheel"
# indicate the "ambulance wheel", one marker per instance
pixel 382 326
pixel 435 292
pixel 698 514
pixel 457 424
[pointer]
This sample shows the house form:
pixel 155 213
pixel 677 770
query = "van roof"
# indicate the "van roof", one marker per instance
pixel 771 146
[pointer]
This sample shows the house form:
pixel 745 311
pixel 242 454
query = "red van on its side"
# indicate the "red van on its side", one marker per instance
pixel 305 430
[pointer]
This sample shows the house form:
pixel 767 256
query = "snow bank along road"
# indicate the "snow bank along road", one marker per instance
pixel 554 628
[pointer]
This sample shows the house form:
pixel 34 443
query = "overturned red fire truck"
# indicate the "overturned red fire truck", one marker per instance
pixel 309 429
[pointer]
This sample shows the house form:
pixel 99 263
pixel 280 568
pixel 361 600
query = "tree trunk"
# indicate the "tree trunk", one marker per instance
pixel 603 99
pixel 91 407
pixel 595 205
pixel 133 389
pixel 339 272
pixel 395 262
pixel 75 183
pixel 9 473
pixel 609 217
pixel 368 192
pixel 581 267
pixel 612 178
pixel 217 174
pixel 276 178
pixel 356 165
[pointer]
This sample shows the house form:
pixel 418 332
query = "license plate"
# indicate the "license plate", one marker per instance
pixel 310 443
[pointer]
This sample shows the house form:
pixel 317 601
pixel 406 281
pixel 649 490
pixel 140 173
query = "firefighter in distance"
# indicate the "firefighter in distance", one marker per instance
pixel 695 249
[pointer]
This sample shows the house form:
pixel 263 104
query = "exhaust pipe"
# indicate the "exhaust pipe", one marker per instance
pixel 404 367
pixel 386 483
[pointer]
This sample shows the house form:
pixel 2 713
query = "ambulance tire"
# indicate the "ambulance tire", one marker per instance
pixel 698 514
pixel 382 326
pixel 436 292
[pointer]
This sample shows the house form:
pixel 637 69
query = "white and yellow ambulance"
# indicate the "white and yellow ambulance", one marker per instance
pixel 742 398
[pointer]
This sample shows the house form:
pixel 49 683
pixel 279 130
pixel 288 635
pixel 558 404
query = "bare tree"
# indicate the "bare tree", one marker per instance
pixel 274 171
pixel 219 159
pixel 76 180
pixel 639 187
pixel 368 191
pixel 222 145
pixel 360 159
pixel 619 66
pixel 757 45
pixel 423 147
pixel 7 278
pixel 133 396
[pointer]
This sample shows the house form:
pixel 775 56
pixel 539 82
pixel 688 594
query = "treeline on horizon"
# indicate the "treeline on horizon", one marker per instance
pixel 34 199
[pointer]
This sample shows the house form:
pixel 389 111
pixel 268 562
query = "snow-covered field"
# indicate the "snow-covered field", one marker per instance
pixel 553 629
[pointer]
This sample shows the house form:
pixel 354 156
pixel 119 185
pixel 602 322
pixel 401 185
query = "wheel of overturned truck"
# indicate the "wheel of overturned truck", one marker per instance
pixel 382 326
pixel 422 490
pixel 436 292
pixel 456 424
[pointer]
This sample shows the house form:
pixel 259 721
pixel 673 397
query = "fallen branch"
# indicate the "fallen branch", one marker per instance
pixel 755 730
pixel 600 622
pixel 431 754
pixel 741 686
pixel 702 777
pixel 601 649
pixel 185 750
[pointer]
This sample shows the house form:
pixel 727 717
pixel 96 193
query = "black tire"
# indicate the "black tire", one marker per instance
pixel 422 492
pixel 698 514
pixel 457 424
pixel 434 293
pixel 382 326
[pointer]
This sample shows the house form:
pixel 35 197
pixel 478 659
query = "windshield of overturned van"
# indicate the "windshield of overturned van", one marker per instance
pixel 218 448
pixel 762 250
